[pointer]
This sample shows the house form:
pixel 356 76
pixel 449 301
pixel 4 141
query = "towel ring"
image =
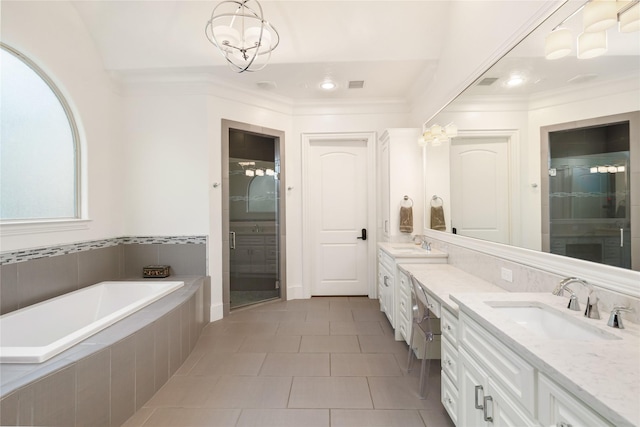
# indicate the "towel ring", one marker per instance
pixel 409 200
pixel 435 199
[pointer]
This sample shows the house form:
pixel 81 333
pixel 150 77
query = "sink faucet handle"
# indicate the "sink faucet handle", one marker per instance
pixel 591 311
pixel 615 319
pixel 573 305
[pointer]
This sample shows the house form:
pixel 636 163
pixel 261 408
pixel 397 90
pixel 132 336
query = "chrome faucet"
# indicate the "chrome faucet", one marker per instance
pixel 573 298
pixel 426 245
pixel 615 319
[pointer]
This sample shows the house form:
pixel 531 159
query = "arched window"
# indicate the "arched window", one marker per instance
pixel 39 147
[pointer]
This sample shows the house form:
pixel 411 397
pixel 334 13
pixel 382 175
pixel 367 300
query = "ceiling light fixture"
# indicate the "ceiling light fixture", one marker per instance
pixel 597 17
pixel 241 34
pixel 327 85
pixel 515 80
pixel 436 135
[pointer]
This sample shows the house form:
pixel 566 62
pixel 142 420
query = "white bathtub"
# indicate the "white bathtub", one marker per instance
pixel 38 332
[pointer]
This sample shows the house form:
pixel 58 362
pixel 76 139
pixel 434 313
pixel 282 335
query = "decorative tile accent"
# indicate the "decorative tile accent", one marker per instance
pixel 45 252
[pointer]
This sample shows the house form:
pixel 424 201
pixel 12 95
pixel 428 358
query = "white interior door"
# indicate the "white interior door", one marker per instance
pixel 480 203
pixel 337 179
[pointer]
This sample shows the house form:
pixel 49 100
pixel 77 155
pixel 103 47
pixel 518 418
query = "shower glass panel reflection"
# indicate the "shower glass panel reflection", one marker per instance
pixel 253 219
pixel 589 194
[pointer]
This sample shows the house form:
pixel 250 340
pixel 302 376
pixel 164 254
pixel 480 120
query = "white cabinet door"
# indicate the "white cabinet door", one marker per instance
pixel 501 411
pixel 557 407
pixel 471 390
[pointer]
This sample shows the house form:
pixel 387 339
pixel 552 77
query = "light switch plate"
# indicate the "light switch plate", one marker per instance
pixel 506 274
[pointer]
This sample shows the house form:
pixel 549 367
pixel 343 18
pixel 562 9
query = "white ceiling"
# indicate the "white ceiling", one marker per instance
pixel 392 45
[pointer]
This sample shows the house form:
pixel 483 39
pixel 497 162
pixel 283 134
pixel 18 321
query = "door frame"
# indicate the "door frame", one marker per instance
pixel 278 136
pixel 307 262
pixel 512 137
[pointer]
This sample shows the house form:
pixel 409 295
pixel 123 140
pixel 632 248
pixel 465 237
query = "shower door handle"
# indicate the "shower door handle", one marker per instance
pixel 232 239
pixel 622 237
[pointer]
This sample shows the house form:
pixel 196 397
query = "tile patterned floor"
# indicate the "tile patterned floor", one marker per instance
pixel 325 362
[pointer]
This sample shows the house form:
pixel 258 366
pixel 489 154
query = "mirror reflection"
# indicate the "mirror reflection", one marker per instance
pixel 528 117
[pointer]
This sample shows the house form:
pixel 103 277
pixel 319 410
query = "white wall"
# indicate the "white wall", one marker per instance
pixel 52 35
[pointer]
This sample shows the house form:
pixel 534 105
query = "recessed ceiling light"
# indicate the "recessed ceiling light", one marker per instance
pixel 515 80
pixel 327 85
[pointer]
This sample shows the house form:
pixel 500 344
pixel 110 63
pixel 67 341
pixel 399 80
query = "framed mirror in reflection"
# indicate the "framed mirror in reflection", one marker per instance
pixel 530 133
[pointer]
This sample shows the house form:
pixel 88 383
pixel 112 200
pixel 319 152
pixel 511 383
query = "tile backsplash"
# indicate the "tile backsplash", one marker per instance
pixel 34 275
pixel 528 279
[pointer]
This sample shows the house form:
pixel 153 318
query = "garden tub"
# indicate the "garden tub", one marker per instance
pixel 38 332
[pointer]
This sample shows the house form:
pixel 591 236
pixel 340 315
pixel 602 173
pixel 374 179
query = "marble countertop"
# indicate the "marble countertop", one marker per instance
pixel 604 374
pixel 410 250
pixel 444 279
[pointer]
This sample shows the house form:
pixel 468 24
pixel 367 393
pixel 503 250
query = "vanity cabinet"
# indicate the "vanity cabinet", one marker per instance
pixel 386 269
pixel 254 255
pixel 449 363
pixel 496 387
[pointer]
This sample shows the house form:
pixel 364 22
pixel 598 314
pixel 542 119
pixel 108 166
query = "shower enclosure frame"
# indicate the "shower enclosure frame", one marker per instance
pixel 279 141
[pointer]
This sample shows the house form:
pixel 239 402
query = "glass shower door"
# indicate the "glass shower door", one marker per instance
pixel 589 200
pixel 253 221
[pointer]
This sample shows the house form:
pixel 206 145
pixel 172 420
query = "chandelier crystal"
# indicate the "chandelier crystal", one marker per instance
pixel 242 35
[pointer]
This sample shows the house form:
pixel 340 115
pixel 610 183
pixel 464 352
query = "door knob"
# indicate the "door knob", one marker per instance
pixel 363 236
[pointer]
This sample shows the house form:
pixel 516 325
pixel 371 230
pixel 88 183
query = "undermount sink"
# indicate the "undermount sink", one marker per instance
pixel 548 322
pixel 417 249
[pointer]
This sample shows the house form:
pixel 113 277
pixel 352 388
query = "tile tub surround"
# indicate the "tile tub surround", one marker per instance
pixel 604 374
pixel 31 276
pixel 106 378
pixel 528 279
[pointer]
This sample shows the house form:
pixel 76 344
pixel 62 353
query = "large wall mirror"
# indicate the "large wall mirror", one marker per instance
pixel 494 177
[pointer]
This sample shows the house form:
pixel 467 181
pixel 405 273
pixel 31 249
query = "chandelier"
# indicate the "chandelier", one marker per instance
pixel 437 135
pixel 241 34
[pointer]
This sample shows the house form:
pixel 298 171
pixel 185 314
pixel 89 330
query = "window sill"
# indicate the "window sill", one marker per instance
pixel 14 228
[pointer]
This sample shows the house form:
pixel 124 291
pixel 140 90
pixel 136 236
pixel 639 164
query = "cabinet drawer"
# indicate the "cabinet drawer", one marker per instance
pixel 449 397
pixel 449 324
pixel 449 360
pixel 434 305
pixel 386 260
pixel 270 240
pixel 512 372
pixel 404 305
pixel 557 407
pixel 249 240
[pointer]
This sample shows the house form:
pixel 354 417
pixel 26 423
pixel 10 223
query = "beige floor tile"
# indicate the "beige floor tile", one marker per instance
pixel 250 392
pixel 284 418
pixel 191 361
pixel 386 327
pixel 196 417
pixel 349 304
pixel 308 304
pixel 241 328
pixel 296 364
pixel 184 391
pixel 271 344
pixel 437 418
pixel 333 316
pixel 382 344
pixel 401 393
pixel 375 418
pixel 330 344
pixel 219 343
pixel 330 392
pixel 268 316
pixel 304 328
pixel 216 364
pixel 356 328
pixel 363 365
pixel 368 314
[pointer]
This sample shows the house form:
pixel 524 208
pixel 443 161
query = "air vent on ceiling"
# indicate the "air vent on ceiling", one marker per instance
pixel 581 78
pixel 487 81
pixel 267 85
pixel 356 84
